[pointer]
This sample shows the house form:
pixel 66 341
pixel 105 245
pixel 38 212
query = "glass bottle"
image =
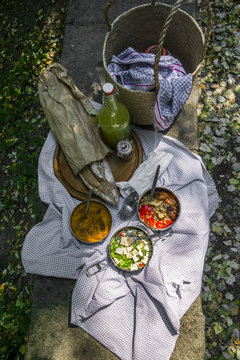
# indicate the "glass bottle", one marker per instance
pixel 113 117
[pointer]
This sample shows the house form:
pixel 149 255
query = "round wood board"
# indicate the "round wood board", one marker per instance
pixel 122 170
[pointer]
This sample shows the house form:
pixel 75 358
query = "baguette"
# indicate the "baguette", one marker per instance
pixel 98 177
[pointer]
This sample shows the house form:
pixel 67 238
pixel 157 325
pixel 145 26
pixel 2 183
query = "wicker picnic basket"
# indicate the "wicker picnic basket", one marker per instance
pixel 139 28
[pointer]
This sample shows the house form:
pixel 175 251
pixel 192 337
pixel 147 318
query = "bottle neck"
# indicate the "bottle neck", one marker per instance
pixel 110 100
pixel 111 97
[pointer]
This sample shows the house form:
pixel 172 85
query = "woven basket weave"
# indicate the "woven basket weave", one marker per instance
pixel 149 24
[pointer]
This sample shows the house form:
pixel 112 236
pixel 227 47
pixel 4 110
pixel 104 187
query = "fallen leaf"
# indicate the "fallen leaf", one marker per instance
pixel 231 96
pixel 221 99
pixel 204 148
pixel 217 48
pixel 218 328
pixel 237 89
pixel 236 166
pixel 234 310
pixel 234 181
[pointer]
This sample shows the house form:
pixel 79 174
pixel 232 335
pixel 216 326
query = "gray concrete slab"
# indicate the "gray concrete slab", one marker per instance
pixel 185 127
pixel 51 337
pixel 87 12
pixel 84 36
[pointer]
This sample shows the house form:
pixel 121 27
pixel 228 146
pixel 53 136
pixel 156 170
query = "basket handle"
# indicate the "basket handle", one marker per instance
pixel 170 16
pixel 106 12
pixel 163 34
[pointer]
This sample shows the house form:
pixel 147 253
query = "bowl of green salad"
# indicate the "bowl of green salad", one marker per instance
pixel 129 249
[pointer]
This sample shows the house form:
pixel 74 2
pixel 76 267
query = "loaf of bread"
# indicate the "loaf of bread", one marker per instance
pixel 98 177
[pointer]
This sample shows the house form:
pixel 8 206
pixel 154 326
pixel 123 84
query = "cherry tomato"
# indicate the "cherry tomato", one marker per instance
pixel 145 210
pixel 147 215
pixel 141 264
pixel 121 234
pixel 160 224
pixel 150 221
pixel 163 223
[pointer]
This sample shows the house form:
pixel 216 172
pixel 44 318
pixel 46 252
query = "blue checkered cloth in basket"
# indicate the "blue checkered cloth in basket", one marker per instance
pixel 135 71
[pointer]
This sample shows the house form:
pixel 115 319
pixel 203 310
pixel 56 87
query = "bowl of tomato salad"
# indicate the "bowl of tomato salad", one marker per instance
pixel 161 212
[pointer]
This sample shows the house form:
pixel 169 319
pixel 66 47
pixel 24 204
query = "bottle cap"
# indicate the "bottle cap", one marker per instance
pixel 108 88
pixel 124 149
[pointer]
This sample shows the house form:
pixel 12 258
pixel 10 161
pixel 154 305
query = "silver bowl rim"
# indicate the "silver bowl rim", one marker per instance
pixel 85 242
pixel 140 227
pixel 160 229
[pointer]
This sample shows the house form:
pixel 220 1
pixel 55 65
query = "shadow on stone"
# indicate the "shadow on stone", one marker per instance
pixel 51 337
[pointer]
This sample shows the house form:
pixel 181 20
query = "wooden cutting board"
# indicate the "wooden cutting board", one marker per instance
pixel 122 170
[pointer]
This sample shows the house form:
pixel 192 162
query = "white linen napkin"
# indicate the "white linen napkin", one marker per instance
pixel 144 175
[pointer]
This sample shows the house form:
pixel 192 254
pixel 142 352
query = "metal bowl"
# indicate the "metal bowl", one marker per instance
pixel 95 227
pixel 141 231
pixel 155 223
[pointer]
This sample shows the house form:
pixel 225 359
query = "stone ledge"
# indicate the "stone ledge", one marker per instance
pixel 52 338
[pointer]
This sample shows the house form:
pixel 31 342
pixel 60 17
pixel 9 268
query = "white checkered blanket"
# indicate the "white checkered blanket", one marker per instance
pixel 136 316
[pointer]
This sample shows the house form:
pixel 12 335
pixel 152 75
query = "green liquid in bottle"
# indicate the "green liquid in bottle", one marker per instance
pixel 114 120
